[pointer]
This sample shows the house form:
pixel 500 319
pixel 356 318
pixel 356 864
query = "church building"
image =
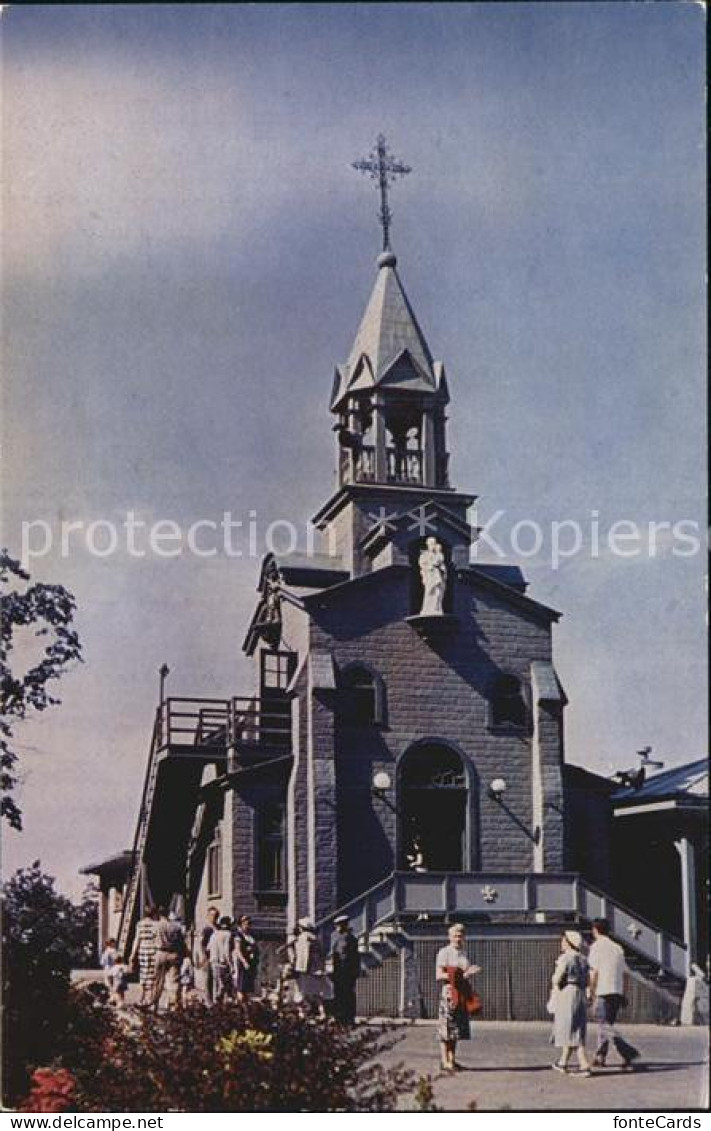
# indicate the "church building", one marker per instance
pixel 399 754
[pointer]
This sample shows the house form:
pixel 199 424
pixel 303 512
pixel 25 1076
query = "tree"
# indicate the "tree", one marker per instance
pixel 45 611
pixel 45 935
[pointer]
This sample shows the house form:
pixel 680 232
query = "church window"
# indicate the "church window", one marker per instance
pixel 362 700
pixel 271 847
pixel 277 670
pixel 508 705
pixel 214 867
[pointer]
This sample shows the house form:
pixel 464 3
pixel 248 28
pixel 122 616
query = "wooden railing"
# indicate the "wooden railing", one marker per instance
pixel 223 723
pixel 203 728
pixel 411 894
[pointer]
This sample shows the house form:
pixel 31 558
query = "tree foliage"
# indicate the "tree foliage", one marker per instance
pixel 45 936
pixel 47 612
pixel 227 1058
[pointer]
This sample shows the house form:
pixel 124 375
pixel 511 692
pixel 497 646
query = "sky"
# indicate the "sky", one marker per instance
pixel 187 254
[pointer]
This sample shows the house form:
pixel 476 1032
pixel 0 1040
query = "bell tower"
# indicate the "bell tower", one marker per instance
pixel 389 399
pixel 390 395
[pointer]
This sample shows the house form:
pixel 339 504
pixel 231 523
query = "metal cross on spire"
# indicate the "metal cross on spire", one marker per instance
pixel 382 167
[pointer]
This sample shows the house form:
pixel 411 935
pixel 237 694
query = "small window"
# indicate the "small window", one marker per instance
pixel 214 868
pixel 362 697
pixel 118 900
pixel 508 707
pixel 277 669
pixel 271 847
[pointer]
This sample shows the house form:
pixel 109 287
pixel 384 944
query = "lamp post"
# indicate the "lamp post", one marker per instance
pixel 163 673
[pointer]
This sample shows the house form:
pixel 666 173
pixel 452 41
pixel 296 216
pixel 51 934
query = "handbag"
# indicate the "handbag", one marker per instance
pixel 472 1003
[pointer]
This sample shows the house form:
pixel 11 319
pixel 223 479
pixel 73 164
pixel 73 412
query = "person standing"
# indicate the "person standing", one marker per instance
pixel 568 986
pixel 345 959
pixel 170 952
pixel 452 969
pixel 245 958
pixel 313 987
pixel 219 950
pixel 201 959
pixel 143 955
pixel 607 987
pixel 109 958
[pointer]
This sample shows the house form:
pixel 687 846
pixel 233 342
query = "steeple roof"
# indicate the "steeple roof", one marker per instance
pixel 389 348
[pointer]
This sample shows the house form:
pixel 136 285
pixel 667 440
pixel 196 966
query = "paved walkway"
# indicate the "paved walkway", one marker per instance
pixel 507 1067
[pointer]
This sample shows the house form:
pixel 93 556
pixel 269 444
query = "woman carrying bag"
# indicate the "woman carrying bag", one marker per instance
pixel 458 1001
pixel 567 1003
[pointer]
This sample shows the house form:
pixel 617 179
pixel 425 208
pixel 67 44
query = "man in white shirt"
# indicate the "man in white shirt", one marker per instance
pixel 607 984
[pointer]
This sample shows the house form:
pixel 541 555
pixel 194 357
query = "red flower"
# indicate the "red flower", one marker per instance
pixel 53 1090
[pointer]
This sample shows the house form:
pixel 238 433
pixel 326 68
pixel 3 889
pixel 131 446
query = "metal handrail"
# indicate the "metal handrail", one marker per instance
pixel 390 889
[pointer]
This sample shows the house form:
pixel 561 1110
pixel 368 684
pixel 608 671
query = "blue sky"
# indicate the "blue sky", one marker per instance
pixel 188 254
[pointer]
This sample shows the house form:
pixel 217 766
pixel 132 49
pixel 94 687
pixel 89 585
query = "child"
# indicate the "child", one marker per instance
pixel 115 973
pixel 187 979
pixel 118 981
pixel 109 956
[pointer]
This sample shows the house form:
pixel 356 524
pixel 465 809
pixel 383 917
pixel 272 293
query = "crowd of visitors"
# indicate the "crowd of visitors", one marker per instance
pixel 220 961
pixel 579 980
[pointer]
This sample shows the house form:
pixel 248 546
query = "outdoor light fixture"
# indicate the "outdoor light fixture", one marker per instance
pixel 163 673
pixel 497 789
pixel 381 781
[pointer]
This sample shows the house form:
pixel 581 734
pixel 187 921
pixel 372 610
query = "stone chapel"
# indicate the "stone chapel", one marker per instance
pixel 400 752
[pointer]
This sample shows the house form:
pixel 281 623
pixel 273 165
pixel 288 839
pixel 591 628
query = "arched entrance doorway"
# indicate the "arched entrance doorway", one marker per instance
pixel 433 806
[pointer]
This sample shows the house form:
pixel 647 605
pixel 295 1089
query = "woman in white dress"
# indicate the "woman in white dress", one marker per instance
pixel 312 985
pixel 567 1002
pixel 452 970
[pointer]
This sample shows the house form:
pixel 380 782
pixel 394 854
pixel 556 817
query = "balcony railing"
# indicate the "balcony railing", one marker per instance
pixel 400 466
pixel 242 721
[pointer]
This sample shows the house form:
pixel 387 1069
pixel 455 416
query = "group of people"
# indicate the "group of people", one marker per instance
pixel 581 978
pixel 312 979
pixel 220 961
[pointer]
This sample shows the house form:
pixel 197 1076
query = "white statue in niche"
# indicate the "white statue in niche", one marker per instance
pixel 433 571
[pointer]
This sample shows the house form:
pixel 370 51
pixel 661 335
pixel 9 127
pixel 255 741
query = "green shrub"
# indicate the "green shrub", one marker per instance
pixel 44 936
pixel 227 1058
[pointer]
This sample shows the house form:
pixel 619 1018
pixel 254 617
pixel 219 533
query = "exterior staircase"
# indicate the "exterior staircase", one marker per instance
pixel 189 734
pixel 397 920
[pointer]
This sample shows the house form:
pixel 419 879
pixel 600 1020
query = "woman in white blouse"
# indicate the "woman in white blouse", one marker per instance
pixel 453 967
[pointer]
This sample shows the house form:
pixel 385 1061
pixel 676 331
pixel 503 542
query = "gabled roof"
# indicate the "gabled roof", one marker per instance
pixel 304 570
pixel 409 519
pixel 688 781
pixel 118 865
pixel 468 573
pixel 389 347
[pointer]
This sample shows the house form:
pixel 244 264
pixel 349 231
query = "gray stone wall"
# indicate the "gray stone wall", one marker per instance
pixel 436 690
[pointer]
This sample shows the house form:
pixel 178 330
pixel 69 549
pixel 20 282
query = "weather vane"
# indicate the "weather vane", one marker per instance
pixel 382 167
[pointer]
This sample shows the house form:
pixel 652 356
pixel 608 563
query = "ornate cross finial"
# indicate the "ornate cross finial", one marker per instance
pixel 383 168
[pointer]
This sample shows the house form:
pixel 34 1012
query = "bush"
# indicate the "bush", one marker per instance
pixel 227 1058
pixel 44 936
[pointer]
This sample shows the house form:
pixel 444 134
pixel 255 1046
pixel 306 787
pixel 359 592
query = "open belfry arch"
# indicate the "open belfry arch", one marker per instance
pixel 395 680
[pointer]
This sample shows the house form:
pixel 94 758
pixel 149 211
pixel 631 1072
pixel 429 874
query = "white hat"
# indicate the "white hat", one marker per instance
pixel 341 919
pixel 306 924
pixel 574 938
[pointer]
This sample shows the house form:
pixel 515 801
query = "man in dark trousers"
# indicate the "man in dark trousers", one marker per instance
pixel 606 960
pixel 346 968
